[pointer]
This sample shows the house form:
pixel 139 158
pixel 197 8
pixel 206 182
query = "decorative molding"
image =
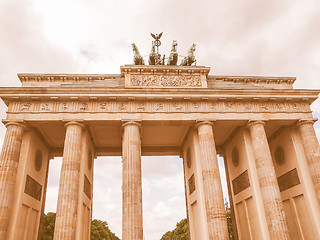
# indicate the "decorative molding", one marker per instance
pixel 168 106
pixel 253 79
pixel 164 69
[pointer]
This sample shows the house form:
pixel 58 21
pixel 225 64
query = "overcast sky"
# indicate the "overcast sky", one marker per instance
pixel 233 37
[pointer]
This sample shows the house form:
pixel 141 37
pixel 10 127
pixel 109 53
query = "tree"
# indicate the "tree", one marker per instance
pixel 229 221
pixel 179 233
pixel 99 229
pixel 49 220
pixel 167 236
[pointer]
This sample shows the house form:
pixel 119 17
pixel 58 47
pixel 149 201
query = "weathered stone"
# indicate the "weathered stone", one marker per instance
pixel 132 223
pixel 66 218
pixel 312 151
pixel 9 160
pixel 163 102
pixel 216 217
pixel 271 197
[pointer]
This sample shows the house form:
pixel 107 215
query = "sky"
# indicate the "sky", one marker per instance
pixel 233 37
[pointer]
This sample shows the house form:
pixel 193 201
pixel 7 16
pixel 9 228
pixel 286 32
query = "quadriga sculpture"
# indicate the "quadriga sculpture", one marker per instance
pixel 137 58
pixel 190 58
pixel 154 57
pixel 173 58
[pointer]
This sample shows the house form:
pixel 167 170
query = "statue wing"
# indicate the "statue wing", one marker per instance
pixel 160 35
pixel 154 36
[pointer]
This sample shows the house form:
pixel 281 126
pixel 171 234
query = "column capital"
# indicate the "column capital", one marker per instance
pixel 131 122
pixel 16 123
pixel 253 122
pixel 304 121
pixel 78 123
pixel 205 122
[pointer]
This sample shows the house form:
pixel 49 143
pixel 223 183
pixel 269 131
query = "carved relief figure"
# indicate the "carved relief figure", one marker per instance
pixel 45 107
pixel 137 58
pixel 84 106
pixel 25 106
pixel 122 107
pixel 64 106
pixel 173 58
pixel 247 106
pixel 103 105
pixel 141 107
pixel 159 107
pixel 177 107
pixel 190 58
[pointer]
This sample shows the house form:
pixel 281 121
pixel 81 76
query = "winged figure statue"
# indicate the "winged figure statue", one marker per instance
pixel 156 36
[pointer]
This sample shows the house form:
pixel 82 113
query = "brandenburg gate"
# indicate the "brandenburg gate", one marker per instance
pixel 261 126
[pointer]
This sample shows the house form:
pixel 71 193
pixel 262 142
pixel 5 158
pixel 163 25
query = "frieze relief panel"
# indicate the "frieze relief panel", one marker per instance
pixel 149 80
pixel 158 106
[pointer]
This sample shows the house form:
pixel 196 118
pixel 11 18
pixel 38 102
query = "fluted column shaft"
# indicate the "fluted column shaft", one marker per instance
pixel 9 161
pixel 216 215
pixel 268 183
pixel 132 224
pixel 66 218
pixel 312 151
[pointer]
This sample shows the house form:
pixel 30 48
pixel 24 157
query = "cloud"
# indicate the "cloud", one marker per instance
pixel 161 165
pixel 53 185
pixel 163 195
pixel 107 193
pixel 24 46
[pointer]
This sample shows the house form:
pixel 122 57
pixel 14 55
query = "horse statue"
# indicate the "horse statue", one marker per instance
pixel 153 55
pixel 173 58
pixel 190 58
pixel 137 58
pixel 155 58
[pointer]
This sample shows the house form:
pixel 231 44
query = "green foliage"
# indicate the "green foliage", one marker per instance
pixel 181 232
pixel 167 236
pixel 49 220
pixel 99 229
pixel 229 221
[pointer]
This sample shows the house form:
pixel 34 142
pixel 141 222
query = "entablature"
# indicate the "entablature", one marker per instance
pixel 26 94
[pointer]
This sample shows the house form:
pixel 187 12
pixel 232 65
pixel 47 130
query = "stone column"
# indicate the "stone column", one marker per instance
pixel 270 192
pixel 9 161
pixel 215 211
pixel 312 151
pixel 66 218
pixel 132 224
